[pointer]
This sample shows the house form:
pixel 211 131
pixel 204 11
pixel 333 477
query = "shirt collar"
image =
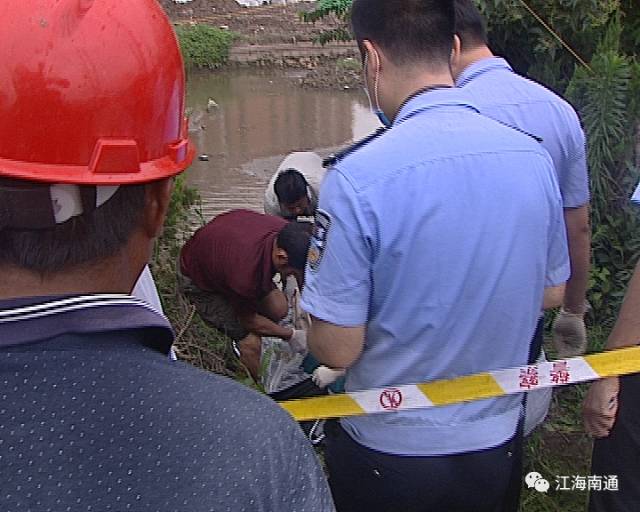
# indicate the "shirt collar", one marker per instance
pixel 481 67
pixel 432 99
pixel 36 319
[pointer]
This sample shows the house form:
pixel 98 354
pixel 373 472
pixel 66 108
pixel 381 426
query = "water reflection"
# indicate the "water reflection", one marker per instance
pixel 259 118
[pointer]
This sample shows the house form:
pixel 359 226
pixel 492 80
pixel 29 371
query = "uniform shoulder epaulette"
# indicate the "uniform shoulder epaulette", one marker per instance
pixel 540 140
pixel 335 158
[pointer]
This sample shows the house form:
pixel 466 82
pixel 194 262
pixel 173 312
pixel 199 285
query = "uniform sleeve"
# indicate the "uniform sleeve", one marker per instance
pixel 574 184
pixel 338 274
pixel 558 264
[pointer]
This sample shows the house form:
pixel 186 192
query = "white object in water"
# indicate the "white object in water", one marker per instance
pixel 182 1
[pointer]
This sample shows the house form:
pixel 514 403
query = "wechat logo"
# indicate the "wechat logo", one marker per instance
pixel 535 481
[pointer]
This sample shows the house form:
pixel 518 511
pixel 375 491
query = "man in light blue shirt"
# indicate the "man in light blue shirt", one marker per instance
pixel 432 248
pixel 502 94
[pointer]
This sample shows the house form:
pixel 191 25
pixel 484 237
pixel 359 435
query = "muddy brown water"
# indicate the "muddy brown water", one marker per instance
pixel 260 117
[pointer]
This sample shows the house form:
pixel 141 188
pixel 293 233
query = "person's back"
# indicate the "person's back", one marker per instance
pixel 234 243
pixel 459 251
pixel 531 107
pixel 433 243
pixel 97 418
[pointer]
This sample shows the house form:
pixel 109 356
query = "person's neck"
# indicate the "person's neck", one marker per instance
pixel 112 275
pixel 404 89
pixel 471 56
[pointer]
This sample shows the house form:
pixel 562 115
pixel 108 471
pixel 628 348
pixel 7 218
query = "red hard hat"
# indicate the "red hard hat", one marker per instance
pixel 91 92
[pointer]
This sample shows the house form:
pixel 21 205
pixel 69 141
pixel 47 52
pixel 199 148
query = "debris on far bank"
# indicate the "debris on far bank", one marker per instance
pixel 342 74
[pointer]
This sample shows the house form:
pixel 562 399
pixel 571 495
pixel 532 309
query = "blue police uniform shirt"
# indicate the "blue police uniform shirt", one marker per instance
pixel 505 96
pixel 438 236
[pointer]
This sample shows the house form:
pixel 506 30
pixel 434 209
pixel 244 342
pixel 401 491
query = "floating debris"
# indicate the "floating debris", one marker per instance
pixel 211 104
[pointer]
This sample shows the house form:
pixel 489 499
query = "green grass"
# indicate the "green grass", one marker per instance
pixel 558 448
pixel 204 47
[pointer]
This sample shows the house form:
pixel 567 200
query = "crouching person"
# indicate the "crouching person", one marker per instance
pixel 94 415
pixel 226 270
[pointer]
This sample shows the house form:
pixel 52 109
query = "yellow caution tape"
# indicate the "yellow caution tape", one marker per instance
pixel 467 388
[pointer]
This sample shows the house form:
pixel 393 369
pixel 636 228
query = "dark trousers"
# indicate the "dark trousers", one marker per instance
pixel 365 480
pixel 619 454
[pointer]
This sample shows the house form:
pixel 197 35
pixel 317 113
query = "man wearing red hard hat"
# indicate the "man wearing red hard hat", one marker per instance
pixel 94 416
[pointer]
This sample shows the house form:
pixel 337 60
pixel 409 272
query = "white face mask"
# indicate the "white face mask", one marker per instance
pixel 375 103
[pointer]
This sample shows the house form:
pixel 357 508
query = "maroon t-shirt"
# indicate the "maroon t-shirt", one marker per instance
pixel 232 256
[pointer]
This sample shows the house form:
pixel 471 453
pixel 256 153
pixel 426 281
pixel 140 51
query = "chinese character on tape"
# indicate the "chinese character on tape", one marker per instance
pixel 529 377
pixel 560 373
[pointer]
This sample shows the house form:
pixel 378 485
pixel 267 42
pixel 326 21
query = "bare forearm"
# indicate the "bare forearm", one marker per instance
pixel 579 240
pixel 262 326
pixel 553 297
pixel 626 331
pixel 333 346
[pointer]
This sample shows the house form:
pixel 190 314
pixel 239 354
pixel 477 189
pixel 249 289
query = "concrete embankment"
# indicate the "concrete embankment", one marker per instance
pixel 303 54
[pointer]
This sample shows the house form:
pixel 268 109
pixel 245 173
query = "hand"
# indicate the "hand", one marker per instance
pixel 323 376
pixel 569 334
pixel 601 406
pixel 298 340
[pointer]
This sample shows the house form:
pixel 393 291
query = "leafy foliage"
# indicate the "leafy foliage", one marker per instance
pixel 325 8
pixel 204 46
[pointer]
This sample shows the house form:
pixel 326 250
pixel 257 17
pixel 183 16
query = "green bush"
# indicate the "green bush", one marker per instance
pixel 204 46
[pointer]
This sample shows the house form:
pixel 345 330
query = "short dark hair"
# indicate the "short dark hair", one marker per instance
pixel 294 239
pixel 408 30
pixel 471 26
pixel 290 186
pixel 83 239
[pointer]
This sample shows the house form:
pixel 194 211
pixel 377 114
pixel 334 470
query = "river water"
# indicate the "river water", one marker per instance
pixel 260 117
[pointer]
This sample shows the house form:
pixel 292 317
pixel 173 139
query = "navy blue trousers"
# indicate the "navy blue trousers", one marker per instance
pixel 365 480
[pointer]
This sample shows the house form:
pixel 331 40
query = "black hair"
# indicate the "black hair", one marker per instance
pixel 290 186
pixel 294 240
pixel 407 30
pixel 471 26
pixel 83 239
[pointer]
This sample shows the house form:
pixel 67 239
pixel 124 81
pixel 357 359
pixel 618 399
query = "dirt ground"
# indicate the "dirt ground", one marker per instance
pixel 267 24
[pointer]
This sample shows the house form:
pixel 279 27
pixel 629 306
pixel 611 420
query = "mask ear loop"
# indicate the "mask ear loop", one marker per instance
pixel 376 82
pixel 365 66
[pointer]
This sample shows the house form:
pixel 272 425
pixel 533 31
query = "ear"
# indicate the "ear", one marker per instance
pixel 281 258
pixel 372 55
pixel 157 199
pixel 456 51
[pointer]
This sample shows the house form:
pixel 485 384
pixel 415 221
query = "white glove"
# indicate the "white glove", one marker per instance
pixel 323 376
pixel 569 334
pixel 298 340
